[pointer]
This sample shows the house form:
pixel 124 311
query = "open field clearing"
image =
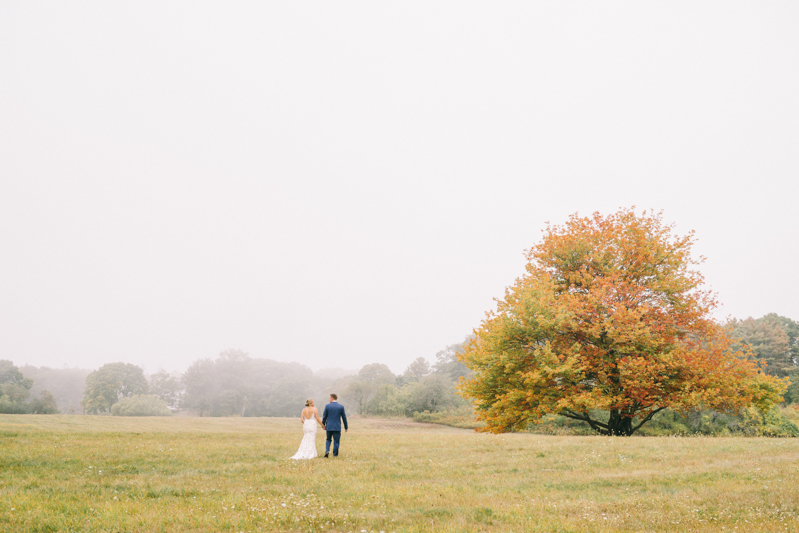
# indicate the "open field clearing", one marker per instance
pixel 84 473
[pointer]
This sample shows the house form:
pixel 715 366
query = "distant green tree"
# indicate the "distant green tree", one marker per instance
pixel 9 373
pixel 791 328
pixel 141 405
pixel 236 384
pixel 109 384
pixel 375 390
pixel 434 392
pixel 370 379
pixel 447 361
pixel 166 387
pixel 389 400
pixel 332 380
pixel 275 388
pixel 417 369
pixel 360 392
pixel 201 387
pixel 232 369
pixel 772 338
pixel 66 384
pixel 376 373
pixel 14 389
pixel 45 404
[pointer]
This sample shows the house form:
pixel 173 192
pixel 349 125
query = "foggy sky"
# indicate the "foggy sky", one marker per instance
pixel 341 184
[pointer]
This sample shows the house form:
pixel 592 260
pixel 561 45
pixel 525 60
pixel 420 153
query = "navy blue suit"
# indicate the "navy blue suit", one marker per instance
pixel 331 418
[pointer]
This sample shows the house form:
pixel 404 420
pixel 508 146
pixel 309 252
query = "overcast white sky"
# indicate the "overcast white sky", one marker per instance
pixel 354 182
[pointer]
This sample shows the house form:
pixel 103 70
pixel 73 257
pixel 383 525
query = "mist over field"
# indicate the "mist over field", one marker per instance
pixel 339 186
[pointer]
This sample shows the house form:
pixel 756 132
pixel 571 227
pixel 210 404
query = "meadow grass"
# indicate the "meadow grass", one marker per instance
pixel 86 473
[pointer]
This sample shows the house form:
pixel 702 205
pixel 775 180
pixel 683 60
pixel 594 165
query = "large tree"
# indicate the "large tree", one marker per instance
pixel 109 384
pixel 610 318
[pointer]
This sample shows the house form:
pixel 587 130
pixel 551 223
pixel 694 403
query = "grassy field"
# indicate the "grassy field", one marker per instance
pixel 84 473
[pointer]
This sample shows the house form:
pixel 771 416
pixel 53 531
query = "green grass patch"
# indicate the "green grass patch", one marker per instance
pixel 82 473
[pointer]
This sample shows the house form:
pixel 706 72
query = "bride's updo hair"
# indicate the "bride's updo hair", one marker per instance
pixel 308 402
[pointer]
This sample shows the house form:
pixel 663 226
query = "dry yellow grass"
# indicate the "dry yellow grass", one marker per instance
pixel 82 473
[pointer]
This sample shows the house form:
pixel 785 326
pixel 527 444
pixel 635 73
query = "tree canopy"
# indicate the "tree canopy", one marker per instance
pixel 109 384
pixel 15 388
pixel 166 388
pixel 609 316
pixel 377 391
pixel 237 384
pixel 772 338
pixel 417 369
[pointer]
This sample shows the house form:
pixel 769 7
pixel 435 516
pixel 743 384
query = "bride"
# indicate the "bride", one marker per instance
pixel 309 417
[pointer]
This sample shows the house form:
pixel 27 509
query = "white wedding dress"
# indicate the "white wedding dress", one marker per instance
pixel 308 445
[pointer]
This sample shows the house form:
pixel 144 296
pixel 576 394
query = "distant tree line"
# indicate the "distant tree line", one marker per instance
pixel 65 384
pixel 15 391
pixel 774 340
pixel 377 391
pixel 235 384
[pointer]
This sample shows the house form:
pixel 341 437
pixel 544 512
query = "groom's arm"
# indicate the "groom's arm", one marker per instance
pixel 324 417
pixel 344 417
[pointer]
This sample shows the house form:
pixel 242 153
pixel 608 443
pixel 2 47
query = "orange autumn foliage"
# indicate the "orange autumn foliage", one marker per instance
pixel 610 316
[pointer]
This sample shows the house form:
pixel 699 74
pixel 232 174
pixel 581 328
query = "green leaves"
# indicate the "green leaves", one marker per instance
pixel 109 384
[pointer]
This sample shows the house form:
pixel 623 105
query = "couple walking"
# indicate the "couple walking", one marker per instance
pixel 331 420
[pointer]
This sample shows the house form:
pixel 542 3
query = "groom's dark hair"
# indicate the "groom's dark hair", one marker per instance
pixel 332 395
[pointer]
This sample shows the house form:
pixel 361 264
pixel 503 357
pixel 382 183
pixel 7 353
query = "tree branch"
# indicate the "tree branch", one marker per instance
pixel 595 424
pixel 647 419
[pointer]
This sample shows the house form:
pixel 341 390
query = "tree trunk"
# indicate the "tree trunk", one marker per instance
pixel 619 425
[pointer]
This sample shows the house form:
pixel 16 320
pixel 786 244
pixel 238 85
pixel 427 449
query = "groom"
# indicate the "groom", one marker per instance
pixel 335 412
